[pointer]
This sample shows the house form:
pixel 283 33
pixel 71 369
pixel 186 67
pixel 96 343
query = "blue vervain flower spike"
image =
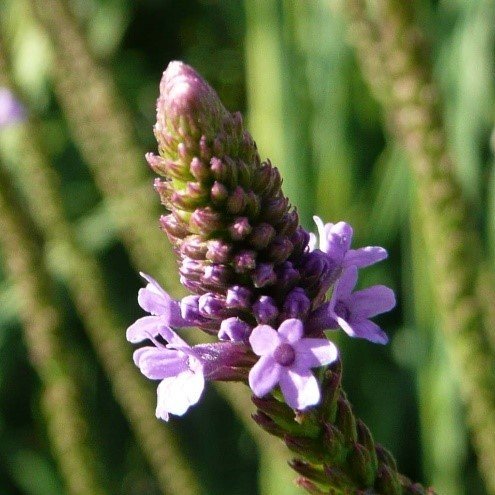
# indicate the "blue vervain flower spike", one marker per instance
pixel 258 282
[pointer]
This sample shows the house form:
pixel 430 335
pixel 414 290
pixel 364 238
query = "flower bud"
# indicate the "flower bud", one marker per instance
pixel 264 275
pixel 239 297
pixel 265 310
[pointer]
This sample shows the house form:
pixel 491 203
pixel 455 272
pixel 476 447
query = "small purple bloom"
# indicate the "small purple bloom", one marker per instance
pixel 286 358
pixel 11 111
pixel 180 371
pixel 352 310
pixel 335 240
pixel 165 312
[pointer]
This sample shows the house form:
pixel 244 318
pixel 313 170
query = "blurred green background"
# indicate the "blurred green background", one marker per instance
pixel 87 72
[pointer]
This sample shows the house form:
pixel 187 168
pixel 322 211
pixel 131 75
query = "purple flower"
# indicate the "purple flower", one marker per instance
pixel 335 240
pixel 165 313
pixel 352 310
pixel 180 370
pixel 11 111
pixel 286 359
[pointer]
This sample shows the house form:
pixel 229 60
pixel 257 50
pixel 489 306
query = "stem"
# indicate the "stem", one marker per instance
pixel 336 452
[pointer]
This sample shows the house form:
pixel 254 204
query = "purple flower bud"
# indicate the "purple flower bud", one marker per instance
pixel 289 223
pixel 236 201
pixel 205 221
pixel 217 277
pixel 189 309
pixel 189 198
pixel 296 304
pixel 264 275
pixel 204 152
pixel 262 235
pixel 265 310
pixel 173 227
pixel 218 251
pixel 211 305
pixel 234 329
pixel 274 208
pixel 280 249
pixel 239 297
pixel 191 269
pixel 187 104
pixel 299 240
pixel 240 228
pixel 219 192
pixel 287 276
pixel 199 169
pixel 157 163
pixel 193 247
pixel 219 169
pixel 245 261
pixel 253 204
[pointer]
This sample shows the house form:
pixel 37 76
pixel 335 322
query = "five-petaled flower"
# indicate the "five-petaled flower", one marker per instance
pixel 286 359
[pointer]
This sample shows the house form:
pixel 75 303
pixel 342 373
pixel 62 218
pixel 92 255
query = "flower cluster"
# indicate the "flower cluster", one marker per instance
pixel 259 281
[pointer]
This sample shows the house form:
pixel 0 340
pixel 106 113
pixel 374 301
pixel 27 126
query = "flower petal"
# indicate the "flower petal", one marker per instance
pixel 371 301
pixel 292 329
pixel 346 282
pixel 312 353
pixel 300 388
pixel 264 339
pixel 364 256
pixel 364 329
pixel 339 238
pixel 176 394
pixel 157 363
pixel 264 375
pixel 145 327
pixel 156 301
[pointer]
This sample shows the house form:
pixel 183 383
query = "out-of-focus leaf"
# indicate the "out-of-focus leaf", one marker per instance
pixel 31 471
pixel 390 207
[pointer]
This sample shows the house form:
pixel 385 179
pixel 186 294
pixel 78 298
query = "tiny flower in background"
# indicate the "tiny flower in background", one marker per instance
pixel 286 359
pixel 11 111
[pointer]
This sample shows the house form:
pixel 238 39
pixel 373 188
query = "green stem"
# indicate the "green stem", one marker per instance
pixel 336 453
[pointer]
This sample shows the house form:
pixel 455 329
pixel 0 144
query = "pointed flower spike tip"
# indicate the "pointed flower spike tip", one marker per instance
pixel 187 105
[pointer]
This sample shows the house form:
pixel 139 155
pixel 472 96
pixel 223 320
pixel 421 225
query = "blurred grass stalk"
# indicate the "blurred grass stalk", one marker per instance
pixel 43 322
pixel 443 433
pixel 39 185
pixel 393 61
pixel 101 129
